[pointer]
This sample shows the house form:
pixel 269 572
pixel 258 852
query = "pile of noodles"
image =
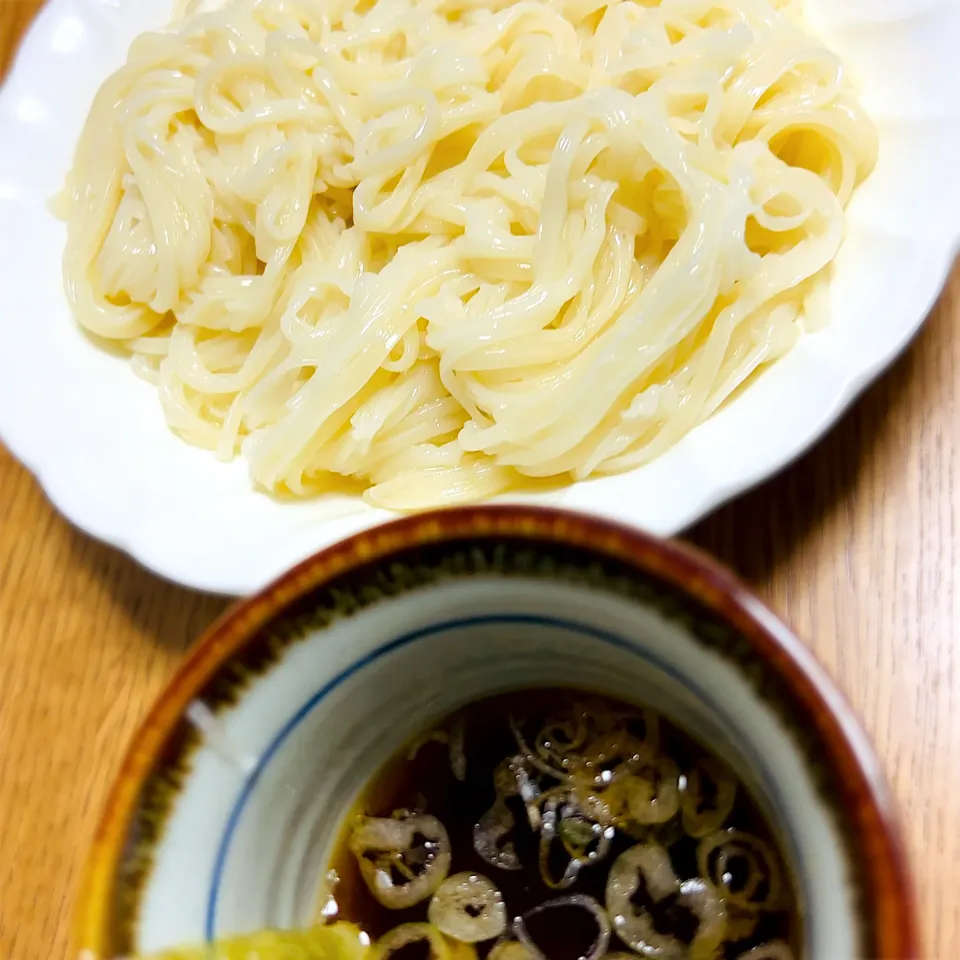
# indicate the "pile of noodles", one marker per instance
pixel 449 247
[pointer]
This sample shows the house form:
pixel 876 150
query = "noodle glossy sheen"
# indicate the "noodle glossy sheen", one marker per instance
pixel 450 246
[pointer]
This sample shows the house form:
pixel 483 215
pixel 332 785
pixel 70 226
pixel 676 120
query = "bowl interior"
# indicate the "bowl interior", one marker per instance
pixel 255 779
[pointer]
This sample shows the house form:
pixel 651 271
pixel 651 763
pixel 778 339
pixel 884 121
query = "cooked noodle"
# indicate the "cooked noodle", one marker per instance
pixel 446 246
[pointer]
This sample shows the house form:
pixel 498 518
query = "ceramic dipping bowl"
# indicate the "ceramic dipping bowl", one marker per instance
pixel 225 811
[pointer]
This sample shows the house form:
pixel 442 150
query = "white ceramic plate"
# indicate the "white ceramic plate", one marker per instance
pixel 95 436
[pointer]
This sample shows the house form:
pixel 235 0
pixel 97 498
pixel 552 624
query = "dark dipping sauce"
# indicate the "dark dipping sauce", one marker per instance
pixel 421 778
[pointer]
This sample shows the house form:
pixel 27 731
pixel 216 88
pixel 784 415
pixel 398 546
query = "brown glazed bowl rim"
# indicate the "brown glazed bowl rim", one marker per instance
pixel 864 794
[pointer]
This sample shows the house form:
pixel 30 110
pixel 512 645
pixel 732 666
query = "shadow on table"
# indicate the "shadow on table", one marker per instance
pixel 760 530
pixel 159 611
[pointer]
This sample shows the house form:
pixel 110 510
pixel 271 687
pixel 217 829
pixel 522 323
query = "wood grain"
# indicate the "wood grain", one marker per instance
pixel 857 546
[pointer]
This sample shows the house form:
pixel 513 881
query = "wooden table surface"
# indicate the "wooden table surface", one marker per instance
pixel 857 546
